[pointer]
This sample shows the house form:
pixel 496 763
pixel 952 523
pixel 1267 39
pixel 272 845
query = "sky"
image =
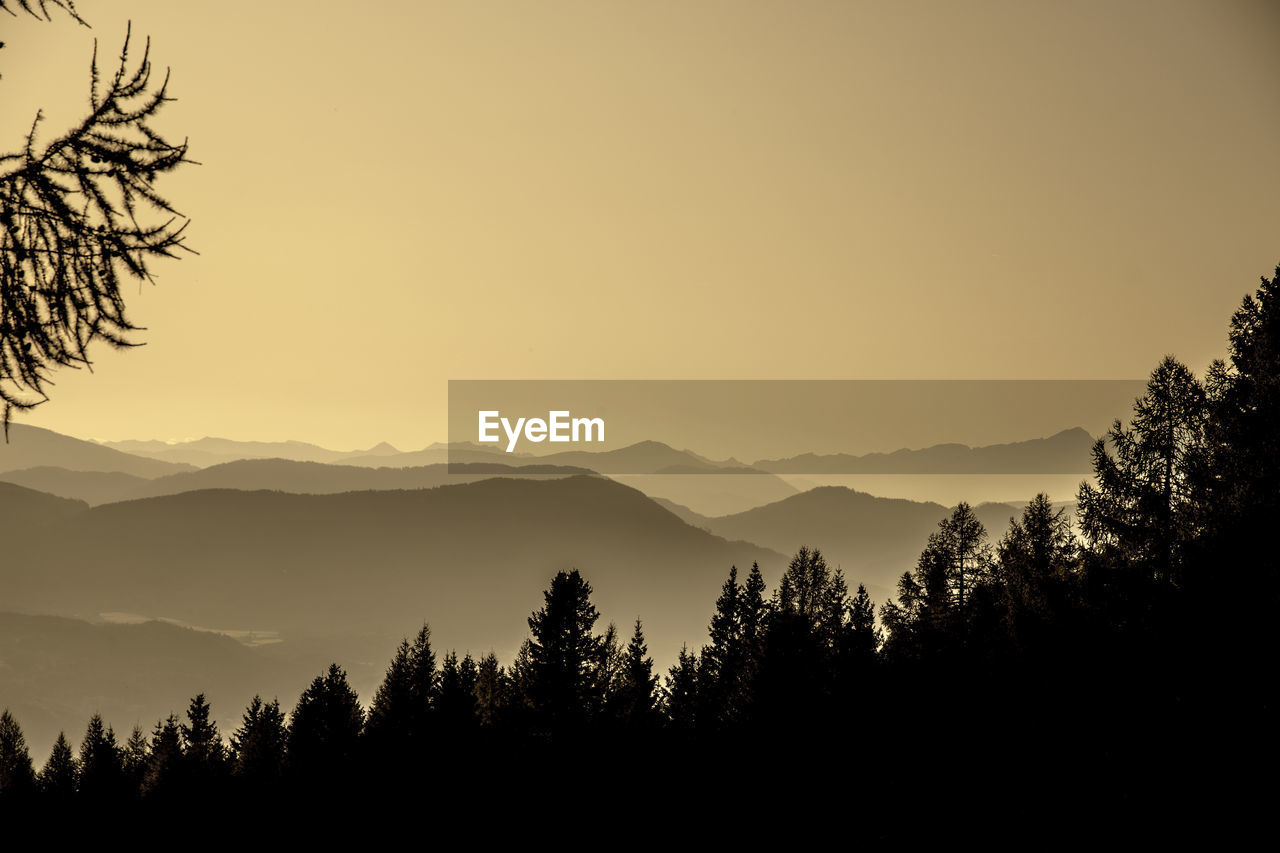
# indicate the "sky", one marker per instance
pixel 394 195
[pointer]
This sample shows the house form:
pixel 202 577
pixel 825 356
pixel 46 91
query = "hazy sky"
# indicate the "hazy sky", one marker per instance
pixel 397 194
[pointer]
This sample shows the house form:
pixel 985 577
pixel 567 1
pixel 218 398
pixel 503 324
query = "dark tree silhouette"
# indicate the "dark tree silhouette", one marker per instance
pixel 101 770
pixel 493 691
pixel 135 755
pixel 1243 490
pixel 204 754
pixel 258 745
pixel 79 216
pixel 634 702
pixel 564 656
pixel 164 770
pixel 399 722
pixel 17 775
pixel 722 663
pixel 1143 510
pixel 324 731
pixel 1035 574
pixel 456 705
pixel 61 773
pixel 680 693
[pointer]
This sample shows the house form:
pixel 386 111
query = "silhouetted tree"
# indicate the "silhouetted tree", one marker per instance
pixel 61 774
pixel 634 703
pixel 1142 511
pixel 456 707
pixel 204 752
pixel 863 638
pixel 607 671
pixel 928 620
pixel 813 593
pixel 324 731
pixel 493 691
pixel 79 216
pixel 135 755
pixel 1242 484
pixel 165 769
pixel 1034 573
pixel 400 716
pixel 17 775
pixel 564 655
pixel 722 663
pixel 680 694
pixel 101 771
pixel 258 746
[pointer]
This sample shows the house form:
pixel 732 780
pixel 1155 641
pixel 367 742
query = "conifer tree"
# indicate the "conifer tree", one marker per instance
pixel 61 774
pixel 864 638
pixel 565 655
pixel 456 706
pixel 1143 510
pixel 493 691
pixel 400 714
pixel 165 768
pixel 101 771
pixel 324 730
pixel 135 755
pixel 258 746
pixel 722 660
pixel 17 775
pixel 635 701
pixel 680 694
pixel 203 748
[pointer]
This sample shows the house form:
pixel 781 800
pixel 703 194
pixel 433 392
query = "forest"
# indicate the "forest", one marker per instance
pixel 1115 666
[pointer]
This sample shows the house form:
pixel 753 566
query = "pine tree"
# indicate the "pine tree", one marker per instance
pixel 399 723
pixel 1143 510
pixel 101 771
pixel 258 746
pixel 324 731
pixel 680 694
pixel 721 663
pixel 635 701
pixel 493 691
pixel 204 751
pixel 815 594
pixel 1034 571
pixel 564 656
pixel 164 774
pixel 134 758
pixel 61 774
pixel 17 775
pixel 456 706
pixel 864 638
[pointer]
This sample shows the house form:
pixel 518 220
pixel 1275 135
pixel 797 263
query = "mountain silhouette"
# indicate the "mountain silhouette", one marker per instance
pixel 872 539
pixel 471 559
pixel 1066 452
pixel 32 447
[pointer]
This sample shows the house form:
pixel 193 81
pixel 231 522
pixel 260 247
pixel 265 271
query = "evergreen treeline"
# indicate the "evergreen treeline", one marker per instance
pixel 1122 661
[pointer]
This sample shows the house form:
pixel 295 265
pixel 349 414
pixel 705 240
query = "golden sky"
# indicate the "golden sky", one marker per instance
pixel 395 194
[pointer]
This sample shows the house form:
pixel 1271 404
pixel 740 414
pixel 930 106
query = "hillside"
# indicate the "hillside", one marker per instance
pixel 33 447
pixel 470 559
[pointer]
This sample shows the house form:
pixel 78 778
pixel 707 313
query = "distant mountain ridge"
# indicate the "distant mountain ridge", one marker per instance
pixel 1068 451
pixel 283 475
pixel 31 447
pixel 1065 452
pixel 471 559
